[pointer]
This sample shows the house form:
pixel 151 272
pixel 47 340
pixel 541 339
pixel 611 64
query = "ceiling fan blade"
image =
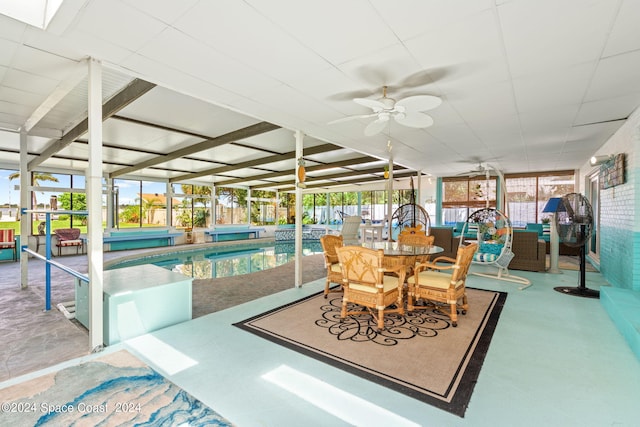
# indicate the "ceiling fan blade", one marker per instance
pixel 374 104
pixel 419 102
pixel 375 127
pixel 414 120
pixel 349 118
pixel 348 96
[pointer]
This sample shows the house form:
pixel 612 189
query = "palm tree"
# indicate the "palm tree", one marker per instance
pixel 37 178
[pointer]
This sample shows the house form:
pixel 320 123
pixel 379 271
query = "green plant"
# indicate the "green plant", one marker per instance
pixel 546 220
pixel 130 213
pixel 184 218
pixel 200 218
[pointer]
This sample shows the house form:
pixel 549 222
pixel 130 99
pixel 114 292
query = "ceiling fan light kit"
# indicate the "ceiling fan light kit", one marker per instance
pixel 407 111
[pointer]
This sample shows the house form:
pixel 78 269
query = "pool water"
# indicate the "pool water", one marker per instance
pixel 226 261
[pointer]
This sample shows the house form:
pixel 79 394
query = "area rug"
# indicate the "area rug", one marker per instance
pixel 420 354
pixel 116 389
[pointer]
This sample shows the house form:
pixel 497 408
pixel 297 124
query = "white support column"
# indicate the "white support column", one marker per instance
pixel 111 208
pixel 168 191
pixel 298 233
pixel 249 206
pixel 328 216
pixel 277 214
pixel 25 200
pixel 419 201
pixel 94 205
pixel 390 199
pixel 214 200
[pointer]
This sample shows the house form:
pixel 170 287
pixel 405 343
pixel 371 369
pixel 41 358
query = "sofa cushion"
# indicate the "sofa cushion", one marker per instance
pixel 534 227
pixel 490 248
pixel 485 257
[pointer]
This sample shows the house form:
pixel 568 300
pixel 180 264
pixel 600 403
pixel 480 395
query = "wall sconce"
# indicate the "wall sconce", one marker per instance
pixel 598 160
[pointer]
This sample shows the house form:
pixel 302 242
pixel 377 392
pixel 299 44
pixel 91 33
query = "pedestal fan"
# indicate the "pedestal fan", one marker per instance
pixel 574 223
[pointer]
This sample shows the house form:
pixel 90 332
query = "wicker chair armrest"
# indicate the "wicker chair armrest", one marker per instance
pixel 433 265
pixel 444 259
pixel 331 259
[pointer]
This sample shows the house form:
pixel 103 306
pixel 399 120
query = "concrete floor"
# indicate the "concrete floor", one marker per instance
pixel 555 360
pixel 30 337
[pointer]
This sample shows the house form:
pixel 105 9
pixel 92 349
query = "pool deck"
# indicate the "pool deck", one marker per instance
pixel 32 338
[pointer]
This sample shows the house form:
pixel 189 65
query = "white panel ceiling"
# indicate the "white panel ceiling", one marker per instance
pixel 518 80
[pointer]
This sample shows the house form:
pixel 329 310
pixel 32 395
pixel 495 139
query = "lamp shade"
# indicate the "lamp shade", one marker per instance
pixel 553 205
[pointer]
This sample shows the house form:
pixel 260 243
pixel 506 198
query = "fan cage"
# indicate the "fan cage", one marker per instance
pixel 574 220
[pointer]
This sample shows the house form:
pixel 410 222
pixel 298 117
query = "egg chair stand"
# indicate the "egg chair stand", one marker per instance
pixel 492 230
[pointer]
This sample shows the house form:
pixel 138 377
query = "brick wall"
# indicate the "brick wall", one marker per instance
pixel 619 225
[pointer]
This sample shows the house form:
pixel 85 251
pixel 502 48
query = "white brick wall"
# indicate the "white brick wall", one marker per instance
pixel 619 226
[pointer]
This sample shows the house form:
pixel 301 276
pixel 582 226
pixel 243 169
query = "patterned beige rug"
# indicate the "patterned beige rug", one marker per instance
pixel 419 354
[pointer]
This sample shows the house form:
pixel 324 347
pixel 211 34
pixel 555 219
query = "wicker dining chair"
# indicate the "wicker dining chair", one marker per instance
pixel 439 288
pixel 417 239
pixel 367 290
pixel 330 243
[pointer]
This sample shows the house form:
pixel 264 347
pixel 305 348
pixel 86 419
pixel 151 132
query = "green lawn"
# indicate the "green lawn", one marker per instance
pixel 62 223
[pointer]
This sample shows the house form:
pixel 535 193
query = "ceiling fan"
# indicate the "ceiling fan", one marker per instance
pixel 407 111
pixel 483 169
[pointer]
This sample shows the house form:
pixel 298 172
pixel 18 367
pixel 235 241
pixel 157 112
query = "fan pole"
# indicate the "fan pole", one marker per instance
pixel 389 185
pixel 581 290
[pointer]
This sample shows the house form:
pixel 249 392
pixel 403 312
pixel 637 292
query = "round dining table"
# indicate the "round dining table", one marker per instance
pixel 398 249
pixel 396 253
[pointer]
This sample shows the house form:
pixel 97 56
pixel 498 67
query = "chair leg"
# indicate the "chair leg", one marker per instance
pixel 381 319
pixel 326 289
pixel 465 305
pixel 343 312
pixel 410 299
pixel 454 314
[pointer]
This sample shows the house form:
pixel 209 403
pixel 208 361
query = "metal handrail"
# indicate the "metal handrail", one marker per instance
pixel 58 265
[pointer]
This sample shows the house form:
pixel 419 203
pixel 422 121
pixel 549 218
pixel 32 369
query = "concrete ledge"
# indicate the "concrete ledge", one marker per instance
pixel 623 306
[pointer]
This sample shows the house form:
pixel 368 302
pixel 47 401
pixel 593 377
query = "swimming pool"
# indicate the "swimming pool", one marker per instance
pixel 227 260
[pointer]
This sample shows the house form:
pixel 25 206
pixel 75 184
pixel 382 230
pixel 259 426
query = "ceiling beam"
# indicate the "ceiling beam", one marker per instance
pixel 243 133
pixel 185 132
pixel 313 168
pixel 400 174
pixel 58 94
pixel 318 149
pixel 126 96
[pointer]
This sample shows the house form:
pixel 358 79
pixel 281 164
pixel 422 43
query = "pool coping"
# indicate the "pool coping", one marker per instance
pixel 192 247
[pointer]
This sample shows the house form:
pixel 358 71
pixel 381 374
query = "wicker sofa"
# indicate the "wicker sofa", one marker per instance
pixel 544 233
pixel 529 251
pixel 444 237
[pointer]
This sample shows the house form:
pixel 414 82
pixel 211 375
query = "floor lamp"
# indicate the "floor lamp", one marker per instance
pixel 552 206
